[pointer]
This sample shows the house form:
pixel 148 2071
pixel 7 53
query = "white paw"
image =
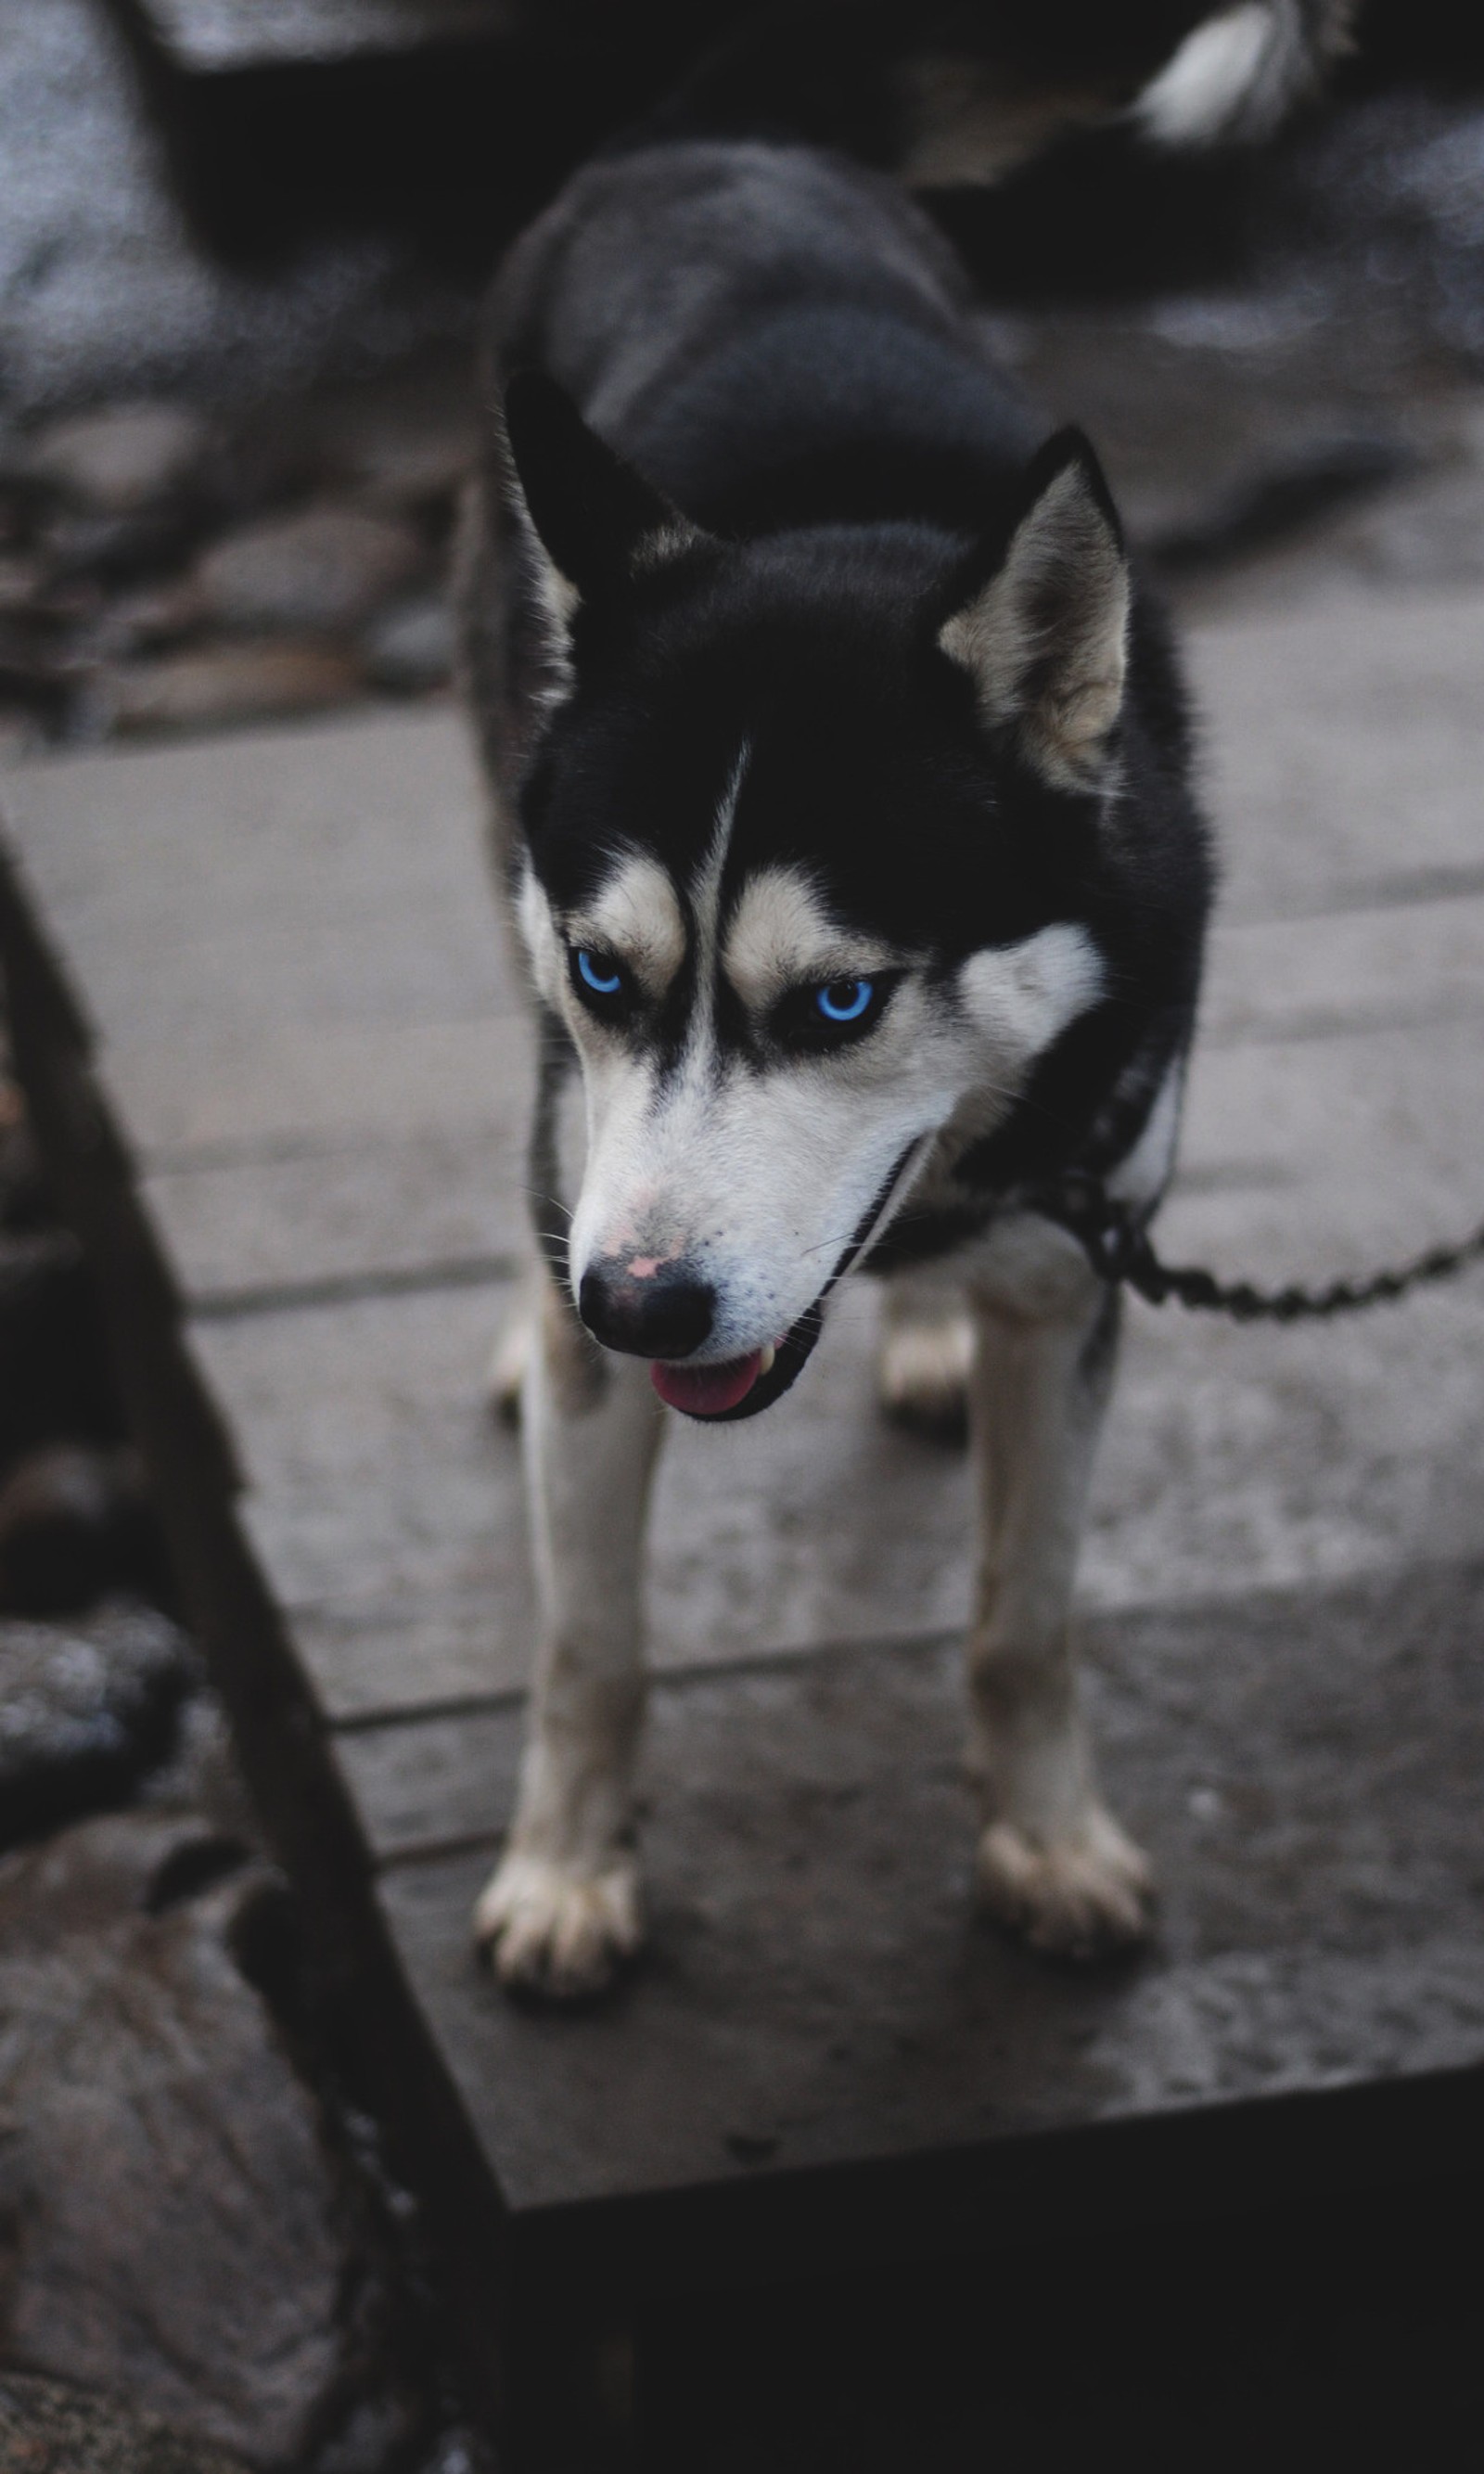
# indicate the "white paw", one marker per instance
pixel 1077 1896
pixel 509 1359
pixel 558 1929
pixel 924 1371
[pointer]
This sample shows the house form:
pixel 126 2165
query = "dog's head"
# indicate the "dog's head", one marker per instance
pixel 807 825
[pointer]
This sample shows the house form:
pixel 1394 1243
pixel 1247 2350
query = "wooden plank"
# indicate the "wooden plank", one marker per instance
pixel 379 1485
pixel 288 1214
pixel 1235 1458
pixel 245 1026
pixel 339 1156
pixel 1400 964
pixel 1329 1153
pixel 369 824
pixel 303 1087
pixel 308 1030
pixel 1240 1457
pixel 289 940
pixel 1343 748
pixel 819 1994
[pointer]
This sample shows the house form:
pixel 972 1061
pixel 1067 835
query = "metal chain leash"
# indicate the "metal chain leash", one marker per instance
pixel 1119 1250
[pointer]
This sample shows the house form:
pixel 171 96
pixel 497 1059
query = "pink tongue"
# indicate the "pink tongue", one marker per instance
pixel 706 1391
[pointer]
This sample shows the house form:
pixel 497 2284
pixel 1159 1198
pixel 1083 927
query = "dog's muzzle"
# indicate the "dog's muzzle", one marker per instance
pixel 744 1387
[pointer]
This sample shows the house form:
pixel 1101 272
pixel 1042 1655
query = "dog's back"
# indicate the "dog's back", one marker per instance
pixel 741 282
pixel 772 335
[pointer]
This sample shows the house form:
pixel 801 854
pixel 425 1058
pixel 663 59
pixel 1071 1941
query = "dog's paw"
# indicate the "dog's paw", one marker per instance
pixel 556 1929
pixel 505 1377
pixel 1078 1896
pixel 923 1374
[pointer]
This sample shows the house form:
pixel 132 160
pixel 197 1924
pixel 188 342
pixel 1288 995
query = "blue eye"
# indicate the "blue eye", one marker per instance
pixel 844 999
pixel 598 972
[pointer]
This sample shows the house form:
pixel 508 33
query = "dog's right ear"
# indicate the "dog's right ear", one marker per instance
pixel 599 524
pixel 1044 633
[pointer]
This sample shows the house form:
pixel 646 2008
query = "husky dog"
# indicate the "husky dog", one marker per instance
pixel 841 777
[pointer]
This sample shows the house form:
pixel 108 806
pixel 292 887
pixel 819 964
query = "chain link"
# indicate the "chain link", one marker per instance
pixel 1119 1250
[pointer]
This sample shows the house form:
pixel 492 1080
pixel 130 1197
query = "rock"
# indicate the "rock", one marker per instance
pixel 31 675
pixel 116 550
pixel 123 458
pixel 55 1378
pixel 459 2451
pixel 84 1713
pixel 155 613
pixel 224 684
pixel 19 735
pixel 75 1521
pixel 48 2429
pixel 215 35
pixel 400 442
pixel 1282 499
pixel 324 567
pixel 174 2226
pixel 20 581
pixel 201 1773
pixel 409 649
pixel 24 506
pixel 107 290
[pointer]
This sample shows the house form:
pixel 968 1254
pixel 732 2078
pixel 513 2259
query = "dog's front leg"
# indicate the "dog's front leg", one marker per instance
pixel 926 1349
pixel 1052 1860
pixel 563 1907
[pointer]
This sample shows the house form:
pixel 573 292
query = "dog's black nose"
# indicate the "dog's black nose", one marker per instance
pixel 668 1314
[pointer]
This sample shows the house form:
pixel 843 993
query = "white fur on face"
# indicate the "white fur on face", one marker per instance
pixel 1024 996
pixel 636 914
pixel 757 1181
pixel 758 1177
pixel 781 936
pixel 542 939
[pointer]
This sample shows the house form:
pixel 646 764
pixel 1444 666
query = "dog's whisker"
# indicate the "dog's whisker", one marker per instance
pixel 552 1201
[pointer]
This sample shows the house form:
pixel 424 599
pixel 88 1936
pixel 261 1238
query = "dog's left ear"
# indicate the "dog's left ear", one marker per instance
pixel 600 523
pixel 1044 634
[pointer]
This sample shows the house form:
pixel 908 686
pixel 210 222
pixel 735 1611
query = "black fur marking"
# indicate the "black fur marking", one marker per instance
pixel 591 509
pixel 776 344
